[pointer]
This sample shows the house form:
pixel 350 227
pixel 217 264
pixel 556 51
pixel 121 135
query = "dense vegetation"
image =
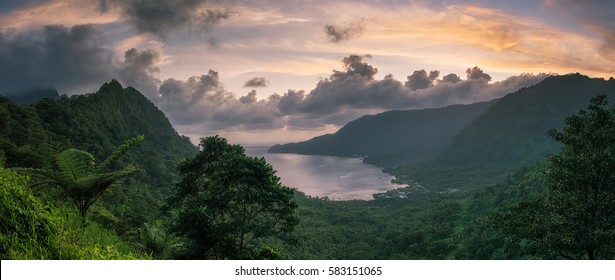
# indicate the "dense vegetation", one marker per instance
pixel 503 135
pixel 497 165
pixel 393 138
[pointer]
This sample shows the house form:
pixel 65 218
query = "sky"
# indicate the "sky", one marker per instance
pixel 262 72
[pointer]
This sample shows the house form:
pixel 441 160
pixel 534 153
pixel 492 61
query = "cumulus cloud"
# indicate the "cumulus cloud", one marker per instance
pixel 256 82
pixel 354 90
pixel 451 78
pixel 160 17
pixel 345 95
pixel 139 70
pixel 420 79
pixel 204 101
pixel 344 32
pixel 475 73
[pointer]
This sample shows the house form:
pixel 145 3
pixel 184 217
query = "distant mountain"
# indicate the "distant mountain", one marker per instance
pixel 463 146
pixel 394 137
pixel 513 132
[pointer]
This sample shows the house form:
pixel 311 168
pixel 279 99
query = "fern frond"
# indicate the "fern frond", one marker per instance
pixel 121 150
pixel 75 164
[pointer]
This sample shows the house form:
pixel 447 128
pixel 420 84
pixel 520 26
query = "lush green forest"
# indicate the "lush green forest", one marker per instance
pixel 151 194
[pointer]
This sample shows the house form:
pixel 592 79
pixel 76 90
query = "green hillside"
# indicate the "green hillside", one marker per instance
pixel 462 146
pixel 31 136
pixel 392 138
pixel 511 134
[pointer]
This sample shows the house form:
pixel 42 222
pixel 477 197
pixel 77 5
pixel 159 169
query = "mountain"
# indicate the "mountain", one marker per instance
pixel 463 146
pixel 513 132
pixel 30 136
pixel 394 137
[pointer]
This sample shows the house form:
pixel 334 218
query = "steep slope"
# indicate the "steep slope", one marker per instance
pixel 512 133
pixel 98 123
pixel 392 138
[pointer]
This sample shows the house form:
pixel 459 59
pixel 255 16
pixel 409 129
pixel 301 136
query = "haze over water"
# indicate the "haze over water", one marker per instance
pixel 327 176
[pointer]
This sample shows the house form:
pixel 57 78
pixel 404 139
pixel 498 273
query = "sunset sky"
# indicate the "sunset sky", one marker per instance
pixel 263 72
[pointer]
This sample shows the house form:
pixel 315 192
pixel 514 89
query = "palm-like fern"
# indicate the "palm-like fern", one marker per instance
pixel 82 180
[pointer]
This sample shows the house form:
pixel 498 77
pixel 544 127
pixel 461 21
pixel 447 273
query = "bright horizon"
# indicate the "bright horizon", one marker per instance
pixel 265 72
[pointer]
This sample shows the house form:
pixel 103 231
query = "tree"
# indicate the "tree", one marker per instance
pixel 577 218
pixel 228 203
pixel 82 180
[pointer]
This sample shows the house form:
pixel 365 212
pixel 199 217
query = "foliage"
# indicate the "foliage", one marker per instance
pixel 31 229
pixel 82 180
pixel 576 219
pixel 228 203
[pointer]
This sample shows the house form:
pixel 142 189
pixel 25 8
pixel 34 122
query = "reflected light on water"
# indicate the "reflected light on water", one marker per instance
pixel 327 176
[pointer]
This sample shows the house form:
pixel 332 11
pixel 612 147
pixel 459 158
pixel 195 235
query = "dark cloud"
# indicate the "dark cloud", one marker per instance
pixel 339 33
pixel 68 59
pixel 72 60
pixel 160 17
pixel 420 79
pixel 475 73
pixel 256 82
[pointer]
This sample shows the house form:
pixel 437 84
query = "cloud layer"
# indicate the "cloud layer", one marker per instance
pixel 203 101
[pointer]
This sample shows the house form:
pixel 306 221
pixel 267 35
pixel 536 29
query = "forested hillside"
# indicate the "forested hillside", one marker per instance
pixel 511 134
pixel 31 136
pixel 393 138
pixel 462 146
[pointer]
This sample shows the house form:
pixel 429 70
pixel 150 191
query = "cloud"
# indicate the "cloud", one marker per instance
pixel 7 6
pixel 139 69
pixel 596 15
pixel 420 79
pixel 72 60
pixel 475 73
pixel 345 32
pixel 160 17
pixel 69 59
pixel 204 101
pixel 256 82
pixel 451 78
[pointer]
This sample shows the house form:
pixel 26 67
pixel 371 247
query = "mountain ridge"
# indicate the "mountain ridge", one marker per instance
pixel 509 133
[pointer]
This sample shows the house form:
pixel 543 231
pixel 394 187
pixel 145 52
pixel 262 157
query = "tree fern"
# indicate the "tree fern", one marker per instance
pixel 81 179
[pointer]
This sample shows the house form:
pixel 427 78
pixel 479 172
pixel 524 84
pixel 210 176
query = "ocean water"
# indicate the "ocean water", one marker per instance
pixel 327 176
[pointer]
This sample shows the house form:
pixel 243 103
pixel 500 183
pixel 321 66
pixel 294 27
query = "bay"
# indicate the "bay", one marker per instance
pixel 327 176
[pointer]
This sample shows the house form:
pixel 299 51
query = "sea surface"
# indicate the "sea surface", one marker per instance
pixel 327 176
